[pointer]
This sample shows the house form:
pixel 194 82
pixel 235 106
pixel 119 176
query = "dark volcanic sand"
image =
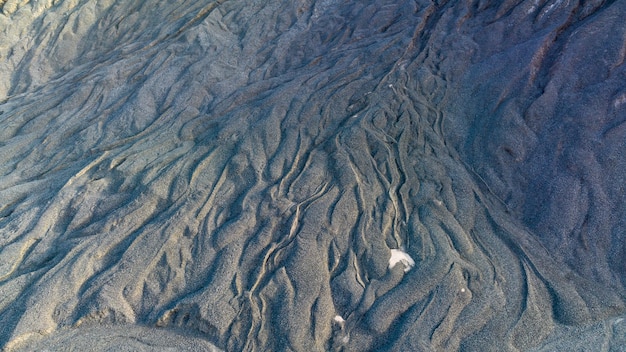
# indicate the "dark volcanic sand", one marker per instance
pixel 244 174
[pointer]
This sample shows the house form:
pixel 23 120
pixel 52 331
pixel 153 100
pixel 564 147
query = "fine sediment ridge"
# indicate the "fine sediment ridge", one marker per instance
pixel 273 175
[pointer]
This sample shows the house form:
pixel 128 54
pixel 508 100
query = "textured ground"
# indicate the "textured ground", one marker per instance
pixel 241 174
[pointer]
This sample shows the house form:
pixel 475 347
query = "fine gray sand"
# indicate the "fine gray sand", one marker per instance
pixel 312 175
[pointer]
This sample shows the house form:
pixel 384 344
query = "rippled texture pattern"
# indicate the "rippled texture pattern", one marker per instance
pixel 242 170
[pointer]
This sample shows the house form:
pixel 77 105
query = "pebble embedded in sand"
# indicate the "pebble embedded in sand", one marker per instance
pixel 400 256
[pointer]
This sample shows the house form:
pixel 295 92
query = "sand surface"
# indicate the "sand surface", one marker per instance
pixel 314 175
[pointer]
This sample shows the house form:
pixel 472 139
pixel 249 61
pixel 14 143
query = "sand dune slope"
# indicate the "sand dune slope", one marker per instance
pixel 279 175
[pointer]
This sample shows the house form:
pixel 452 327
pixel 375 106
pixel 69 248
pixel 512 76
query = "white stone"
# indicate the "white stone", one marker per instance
pixel 400 256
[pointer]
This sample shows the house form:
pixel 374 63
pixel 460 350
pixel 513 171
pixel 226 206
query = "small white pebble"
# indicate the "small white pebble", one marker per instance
pixel 400 256
pixel 338 319
pixel 463 289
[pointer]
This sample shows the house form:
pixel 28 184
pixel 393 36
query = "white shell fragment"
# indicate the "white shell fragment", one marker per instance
pixel 400 256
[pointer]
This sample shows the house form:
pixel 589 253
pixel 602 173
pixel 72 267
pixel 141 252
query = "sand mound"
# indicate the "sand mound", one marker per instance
pixel 313 175
pixel 131 338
